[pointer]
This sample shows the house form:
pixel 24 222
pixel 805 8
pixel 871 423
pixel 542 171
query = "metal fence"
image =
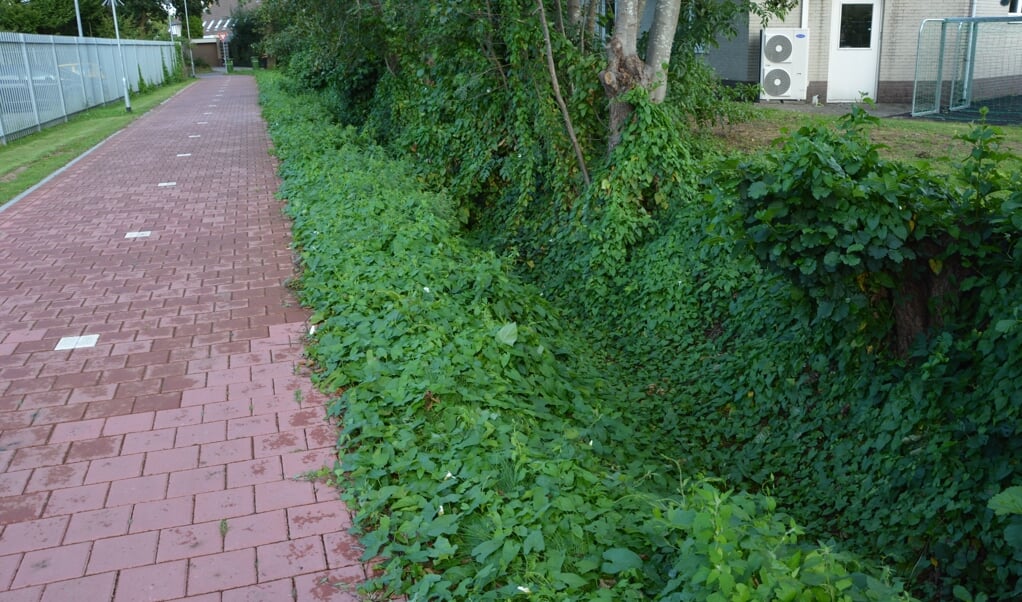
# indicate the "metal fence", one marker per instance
pixel 963 64
pixel 44 79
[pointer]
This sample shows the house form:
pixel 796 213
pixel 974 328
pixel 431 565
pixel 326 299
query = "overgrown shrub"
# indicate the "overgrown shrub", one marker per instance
pixel 913 441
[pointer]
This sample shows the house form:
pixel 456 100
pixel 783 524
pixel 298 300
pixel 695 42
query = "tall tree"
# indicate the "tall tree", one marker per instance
pixel 452 49
pixel 148 18
pixel 54 17
pixel 138 18
pixel 626 70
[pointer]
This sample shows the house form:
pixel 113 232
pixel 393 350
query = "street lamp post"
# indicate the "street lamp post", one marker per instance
pixel 188 30
pixel 124 68
pixel 78 17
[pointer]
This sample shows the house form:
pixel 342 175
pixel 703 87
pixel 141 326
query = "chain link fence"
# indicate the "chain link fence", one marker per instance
pixel 44 79
pixel 965 64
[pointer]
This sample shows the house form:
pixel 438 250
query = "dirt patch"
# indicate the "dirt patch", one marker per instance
pixel 9 176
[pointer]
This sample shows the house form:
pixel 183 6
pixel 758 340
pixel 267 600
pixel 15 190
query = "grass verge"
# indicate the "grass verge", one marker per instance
pixel 26 161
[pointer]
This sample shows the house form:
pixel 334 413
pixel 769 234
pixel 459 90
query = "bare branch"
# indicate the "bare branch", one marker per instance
pixel 557 94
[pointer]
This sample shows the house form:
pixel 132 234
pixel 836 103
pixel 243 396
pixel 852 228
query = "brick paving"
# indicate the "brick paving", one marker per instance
pixel 159 453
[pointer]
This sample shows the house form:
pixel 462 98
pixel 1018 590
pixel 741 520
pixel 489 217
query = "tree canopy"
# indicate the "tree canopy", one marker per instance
pixel 143 19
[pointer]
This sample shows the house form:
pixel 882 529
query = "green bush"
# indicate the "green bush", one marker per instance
pixel 889 257
pixel 488 451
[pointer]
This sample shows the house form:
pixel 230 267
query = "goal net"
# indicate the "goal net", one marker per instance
pixel 965 64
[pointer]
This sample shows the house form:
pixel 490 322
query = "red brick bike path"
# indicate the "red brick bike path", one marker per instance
pixel 156 434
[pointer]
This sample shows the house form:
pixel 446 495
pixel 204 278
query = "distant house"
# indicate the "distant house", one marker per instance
pixel 217 22
pixel 851 48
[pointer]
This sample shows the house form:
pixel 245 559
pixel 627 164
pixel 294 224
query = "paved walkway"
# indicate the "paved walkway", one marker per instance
pixel 154 425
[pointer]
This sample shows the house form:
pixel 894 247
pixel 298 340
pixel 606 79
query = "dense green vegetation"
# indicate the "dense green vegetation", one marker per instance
pixel 488 452
pixel 602 368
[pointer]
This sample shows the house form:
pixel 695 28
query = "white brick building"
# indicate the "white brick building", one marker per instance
pixel 852 47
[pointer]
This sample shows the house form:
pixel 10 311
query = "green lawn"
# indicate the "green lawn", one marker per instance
pixel 26 161
pixel 906 139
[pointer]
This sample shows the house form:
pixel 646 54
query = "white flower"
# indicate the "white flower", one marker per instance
pixel 448 475
pixel 425 289
pixel 524 589
pixel 312 330
pixel 440 512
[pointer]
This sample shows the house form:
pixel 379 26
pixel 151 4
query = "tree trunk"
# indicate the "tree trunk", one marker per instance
pixel 574 13
pixel 661 42
pixel 625 70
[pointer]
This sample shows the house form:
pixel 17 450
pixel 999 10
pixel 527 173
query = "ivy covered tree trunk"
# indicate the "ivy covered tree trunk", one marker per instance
pixel 626 70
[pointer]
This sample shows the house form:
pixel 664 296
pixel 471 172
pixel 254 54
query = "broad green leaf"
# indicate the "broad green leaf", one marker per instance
pixel 570 579
pixel 831 259
pixel 1013 535
pixel 442 548
pixel 508 334
pixel 757 190
pixel 617 560
pixel 483 551
pixel 534 542
pixel 1008 501
pixel 961 593
pixel 1003 326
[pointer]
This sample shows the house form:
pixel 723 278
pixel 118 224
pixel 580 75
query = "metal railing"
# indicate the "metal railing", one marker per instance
pixel 45 79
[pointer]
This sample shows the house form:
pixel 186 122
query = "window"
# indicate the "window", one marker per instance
pixel 857 25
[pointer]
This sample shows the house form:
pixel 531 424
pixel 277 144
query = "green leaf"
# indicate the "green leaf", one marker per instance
pixel 1003 326
pixel 961 593
pixel 534 542
pixel 483 551
pixel 442 548
pixel 442 525
pixel 824 310
pixel 618 560
pixel 508 334
pixel 570 579
pixel 1013 535
pixel 757 190
pixel 1008 501
pixel 831 259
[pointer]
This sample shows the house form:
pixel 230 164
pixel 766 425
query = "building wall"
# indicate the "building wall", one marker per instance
pixel 208 51
pixel 732 59
pixel 901 34
pixel 818 24
pixel 739 59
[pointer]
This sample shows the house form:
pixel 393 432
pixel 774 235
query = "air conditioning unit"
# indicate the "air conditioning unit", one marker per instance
pixel 784 59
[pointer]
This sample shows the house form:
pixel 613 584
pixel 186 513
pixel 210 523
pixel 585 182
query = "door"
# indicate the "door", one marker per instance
pixel 854 49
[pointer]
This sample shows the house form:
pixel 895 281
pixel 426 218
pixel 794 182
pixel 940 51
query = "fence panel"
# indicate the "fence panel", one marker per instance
pixel 45 79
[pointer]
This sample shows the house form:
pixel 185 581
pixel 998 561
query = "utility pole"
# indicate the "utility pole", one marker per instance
pixel 124 67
